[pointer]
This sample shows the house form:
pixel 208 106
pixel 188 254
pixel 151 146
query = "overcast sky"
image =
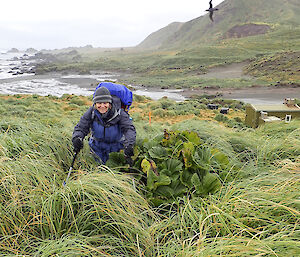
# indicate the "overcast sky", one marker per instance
pixel 49 24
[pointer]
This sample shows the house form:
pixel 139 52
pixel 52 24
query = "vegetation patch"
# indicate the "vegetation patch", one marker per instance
pixel 224 191
pixel 283 67
pixel 177 164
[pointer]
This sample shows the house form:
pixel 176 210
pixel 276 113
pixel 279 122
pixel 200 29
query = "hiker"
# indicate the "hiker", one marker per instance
pixel 111 127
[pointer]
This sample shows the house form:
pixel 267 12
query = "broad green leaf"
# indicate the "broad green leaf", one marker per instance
pixel 165 172
pixel 172 166
pixel 180 190
pixel 185 178
pixel 202 158
pixel 201 172
pixel 158 152
pixel 192 136
pixel 165 191
pixel 220 158
pixel 149 144
pixel 162 181
pixel 174 177
pixel 195 180
pixel 151 179
pixel 176 183
pixel 116 159
pixel 211 182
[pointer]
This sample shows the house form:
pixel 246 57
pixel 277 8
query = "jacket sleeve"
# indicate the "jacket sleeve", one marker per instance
pixel 127 128
pixel 84 125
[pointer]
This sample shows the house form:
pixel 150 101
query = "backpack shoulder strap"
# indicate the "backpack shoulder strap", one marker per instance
pixel 93 115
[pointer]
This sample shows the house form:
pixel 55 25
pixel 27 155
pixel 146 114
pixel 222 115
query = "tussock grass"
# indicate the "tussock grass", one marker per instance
pixel 246 218
pixel 102 212
pixel 36 207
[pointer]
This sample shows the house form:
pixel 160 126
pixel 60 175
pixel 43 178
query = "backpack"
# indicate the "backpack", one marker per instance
pixel 120 91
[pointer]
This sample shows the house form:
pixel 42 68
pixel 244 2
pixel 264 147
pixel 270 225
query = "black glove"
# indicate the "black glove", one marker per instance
pixel 128 151
pixel 77 143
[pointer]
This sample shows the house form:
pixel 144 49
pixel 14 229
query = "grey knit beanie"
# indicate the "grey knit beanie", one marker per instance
pixel 102 95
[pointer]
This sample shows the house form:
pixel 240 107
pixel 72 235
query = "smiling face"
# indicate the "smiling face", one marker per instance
pixel 102 107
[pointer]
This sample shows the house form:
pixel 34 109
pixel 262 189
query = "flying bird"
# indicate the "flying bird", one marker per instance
pixel 211 10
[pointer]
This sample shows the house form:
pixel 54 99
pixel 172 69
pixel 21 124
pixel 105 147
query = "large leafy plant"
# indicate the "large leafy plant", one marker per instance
pixel 177 163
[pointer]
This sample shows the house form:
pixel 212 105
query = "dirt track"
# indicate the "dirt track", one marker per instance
pixel 255 94
pixel 230 71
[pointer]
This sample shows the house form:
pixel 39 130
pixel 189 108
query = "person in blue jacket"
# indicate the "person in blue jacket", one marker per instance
pixel 111 127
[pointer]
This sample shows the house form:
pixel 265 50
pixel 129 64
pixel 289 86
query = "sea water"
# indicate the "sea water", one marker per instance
pixel 7 62
pixel 27 83
pixel 18 84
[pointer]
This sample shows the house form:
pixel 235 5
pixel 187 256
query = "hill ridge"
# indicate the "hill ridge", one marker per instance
pixel 232 13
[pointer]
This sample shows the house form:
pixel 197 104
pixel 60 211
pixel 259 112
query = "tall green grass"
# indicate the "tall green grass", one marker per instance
pixel 102 212
pixel 256 216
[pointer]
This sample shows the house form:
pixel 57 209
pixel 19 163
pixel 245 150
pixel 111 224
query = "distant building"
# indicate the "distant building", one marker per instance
pixel 257 115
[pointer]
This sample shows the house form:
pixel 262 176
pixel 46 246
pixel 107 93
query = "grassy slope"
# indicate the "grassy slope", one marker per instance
pixel 235 12
pixel 99 213
pixel 155 39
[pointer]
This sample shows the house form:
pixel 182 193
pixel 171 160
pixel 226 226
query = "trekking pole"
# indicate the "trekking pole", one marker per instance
pixel 71 168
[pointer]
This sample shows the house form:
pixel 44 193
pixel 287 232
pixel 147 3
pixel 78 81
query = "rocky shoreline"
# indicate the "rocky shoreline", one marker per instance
pixel 25 65
pixel 276 94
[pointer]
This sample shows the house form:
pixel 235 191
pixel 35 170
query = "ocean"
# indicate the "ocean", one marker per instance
pixel 14 81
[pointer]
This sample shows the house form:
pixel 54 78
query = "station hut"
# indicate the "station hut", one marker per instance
pixel 257 114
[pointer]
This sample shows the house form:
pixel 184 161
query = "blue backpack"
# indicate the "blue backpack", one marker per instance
pixel 119 91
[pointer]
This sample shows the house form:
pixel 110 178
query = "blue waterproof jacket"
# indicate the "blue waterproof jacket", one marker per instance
pixel 107 135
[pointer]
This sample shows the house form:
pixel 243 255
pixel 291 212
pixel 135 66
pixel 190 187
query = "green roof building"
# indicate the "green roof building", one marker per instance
pixel 259 114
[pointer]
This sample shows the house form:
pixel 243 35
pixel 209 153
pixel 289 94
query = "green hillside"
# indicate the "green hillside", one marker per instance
pixel 155 39
pixel 272 13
